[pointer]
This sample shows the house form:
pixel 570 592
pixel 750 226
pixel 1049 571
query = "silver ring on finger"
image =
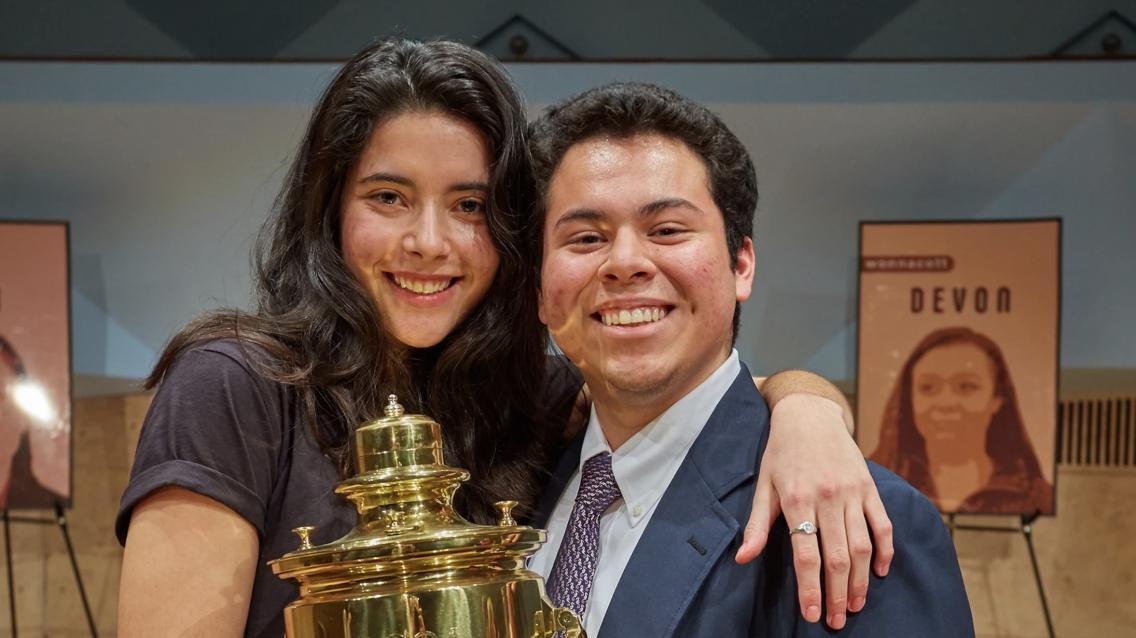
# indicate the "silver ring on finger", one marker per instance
pixel 806 527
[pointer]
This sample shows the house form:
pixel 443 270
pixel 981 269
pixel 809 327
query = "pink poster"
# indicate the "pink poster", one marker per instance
pixel 958 359
pixel 35 366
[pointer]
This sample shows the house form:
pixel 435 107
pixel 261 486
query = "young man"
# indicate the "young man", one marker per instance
pixel 645 224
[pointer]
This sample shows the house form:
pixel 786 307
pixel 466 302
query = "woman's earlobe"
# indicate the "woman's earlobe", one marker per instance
pixel 540 306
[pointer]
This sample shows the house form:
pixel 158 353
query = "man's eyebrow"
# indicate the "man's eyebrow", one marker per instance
pixel 469 186
pixel 666 203
pixel 579 214
pixel 591 214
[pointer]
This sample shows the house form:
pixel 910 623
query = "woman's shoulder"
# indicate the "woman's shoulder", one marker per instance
pixel 224 377
pixel 226 359
pixel 241 351
pixel 218 427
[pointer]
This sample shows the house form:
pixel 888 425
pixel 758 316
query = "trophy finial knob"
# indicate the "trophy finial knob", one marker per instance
pixel 506 509
pixel 393 409
pixel 305 534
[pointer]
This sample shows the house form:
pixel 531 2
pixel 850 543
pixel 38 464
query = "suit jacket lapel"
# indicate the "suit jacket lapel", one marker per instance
pixel 690 529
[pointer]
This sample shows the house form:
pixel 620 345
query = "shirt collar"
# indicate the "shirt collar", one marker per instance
pixel 644 465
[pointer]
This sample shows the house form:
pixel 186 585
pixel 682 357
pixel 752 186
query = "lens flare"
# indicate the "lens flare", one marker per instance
pixel 32 399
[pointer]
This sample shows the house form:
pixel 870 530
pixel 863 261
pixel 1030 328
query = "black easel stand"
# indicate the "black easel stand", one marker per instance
pixel 1027 530
pixel 61 521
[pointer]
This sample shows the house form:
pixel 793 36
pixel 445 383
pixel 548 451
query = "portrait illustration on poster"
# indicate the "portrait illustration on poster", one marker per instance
pixel 35 366
pixel 957 360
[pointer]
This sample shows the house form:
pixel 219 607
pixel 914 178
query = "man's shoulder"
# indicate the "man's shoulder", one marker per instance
pixel 890 481
pixel 883 476
pixel 905 505
pixel 741 415
pixel 744 395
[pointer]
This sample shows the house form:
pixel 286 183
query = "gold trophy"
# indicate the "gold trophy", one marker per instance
pixel 412 567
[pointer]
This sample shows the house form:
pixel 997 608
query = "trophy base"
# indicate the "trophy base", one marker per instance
pixel 508 608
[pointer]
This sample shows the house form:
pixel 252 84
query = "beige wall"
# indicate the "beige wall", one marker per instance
pixel 1087 558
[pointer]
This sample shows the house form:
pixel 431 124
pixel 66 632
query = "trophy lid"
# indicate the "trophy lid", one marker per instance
pixel 407 526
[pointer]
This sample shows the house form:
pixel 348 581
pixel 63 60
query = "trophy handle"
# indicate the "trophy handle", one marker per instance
pixel 565 620
pixel 564 624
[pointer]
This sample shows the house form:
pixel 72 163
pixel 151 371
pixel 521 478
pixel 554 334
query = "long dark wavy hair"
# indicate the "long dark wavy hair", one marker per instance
pixel 903 449
pixel 319 328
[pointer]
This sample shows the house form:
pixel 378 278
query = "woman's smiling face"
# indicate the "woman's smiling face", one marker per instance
pixel 953 397
pixel 413 224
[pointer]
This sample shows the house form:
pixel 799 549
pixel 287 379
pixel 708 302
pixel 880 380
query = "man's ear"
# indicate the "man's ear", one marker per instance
pixel 744 269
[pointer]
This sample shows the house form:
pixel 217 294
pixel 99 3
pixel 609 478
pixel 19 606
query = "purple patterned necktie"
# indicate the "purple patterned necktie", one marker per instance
pixel 570 582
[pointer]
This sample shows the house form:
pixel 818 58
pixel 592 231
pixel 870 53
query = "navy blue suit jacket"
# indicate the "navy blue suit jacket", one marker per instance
pixel 682 580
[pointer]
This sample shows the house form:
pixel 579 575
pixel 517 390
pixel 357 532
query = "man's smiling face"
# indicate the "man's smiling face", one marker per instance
pixel 637 286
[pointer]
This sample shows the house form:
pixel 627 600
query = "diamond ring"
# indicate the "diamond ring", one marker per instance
pixel 806 527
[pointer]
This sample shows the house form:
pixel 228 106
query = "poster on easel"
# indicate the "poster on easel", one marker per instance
pixel 35 366
pixel 957 359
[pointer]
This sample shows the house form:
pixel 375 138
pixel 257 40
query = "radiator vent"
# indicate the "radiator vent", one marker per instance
pixel 1097 432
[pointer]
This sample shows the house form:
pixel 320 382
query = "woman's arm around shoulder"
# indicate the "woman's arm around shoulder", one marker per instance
pixel 813 471
pixel 188 568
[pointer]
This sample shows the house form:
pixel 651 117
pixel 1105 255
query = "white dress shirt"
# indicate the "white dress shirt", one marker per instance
pixel 643 467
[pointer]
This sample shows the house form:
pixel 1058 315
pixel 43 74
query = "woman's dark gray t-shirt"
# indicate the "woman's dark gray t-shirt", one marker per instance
pixel 219 428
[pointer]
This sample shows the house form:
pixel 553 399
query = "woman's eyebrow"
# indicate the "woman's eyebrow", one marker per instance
pixel 381 176
pixel 394 178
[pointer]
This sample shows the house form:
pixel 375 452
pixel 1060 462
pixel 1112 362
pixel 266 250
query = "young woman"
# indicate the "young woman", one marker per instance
pixel 953 429
pixel 395 263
